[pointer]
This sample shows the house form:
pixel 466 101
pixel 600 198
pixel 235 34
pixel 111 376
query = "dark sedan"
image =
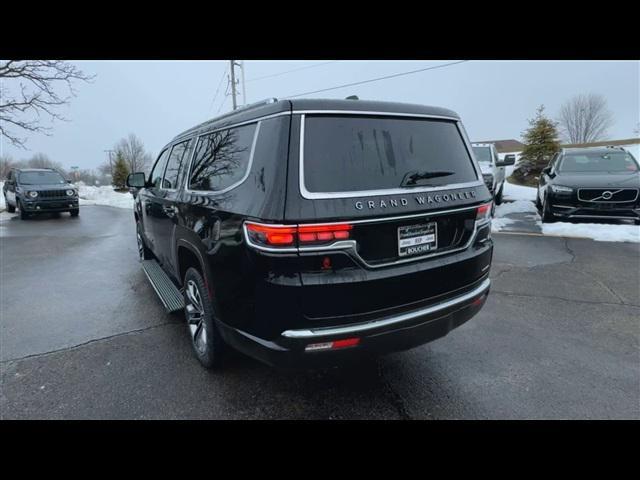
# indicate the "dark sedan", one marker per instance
pixel 590 183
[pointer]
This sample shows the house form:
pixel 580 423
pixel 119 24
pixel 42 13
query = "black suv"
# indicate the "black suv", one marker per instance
pixel 312 232
pixel 590 183
pixel 39 190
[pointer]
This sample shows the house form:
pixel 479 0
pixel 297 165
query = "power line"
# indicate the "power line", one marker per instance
pixel 219 85
pixel 289 71
pixel 378 79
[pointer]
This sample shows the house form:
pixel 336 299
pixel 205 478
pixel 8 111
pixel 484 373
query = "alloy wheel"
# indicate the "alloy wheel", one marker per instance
pixel 195 317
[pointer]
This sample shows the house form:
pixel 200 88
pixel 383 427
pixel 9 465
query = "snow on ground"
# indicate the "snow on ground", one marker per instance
pixel 595 231
pixel 104 195
pixel 514 192
pixel 499 224
pixel 2 205
pixel 519 206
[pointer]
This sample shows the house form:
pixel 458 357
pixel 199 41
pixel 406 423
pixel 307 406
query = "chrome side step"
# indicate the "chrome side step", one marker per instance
pixel 169 294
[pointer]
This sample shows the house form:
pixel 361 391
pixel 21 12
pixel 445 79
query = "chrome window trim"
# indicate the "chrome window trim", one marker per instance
pixel 390 191
pixel 247 169
pixel 613 191
pixel 395 319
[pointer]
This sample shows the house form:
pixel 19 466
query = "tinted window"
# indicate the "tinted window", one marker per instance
pixel 176 160
pixel 483 154
pixel 42 178
pixel 356 153
pixel 598 162
pixel 221 158
pixel 158 168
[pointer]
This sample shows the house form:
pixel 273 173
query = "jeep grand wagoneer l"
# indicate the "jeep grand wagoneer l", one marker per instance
pixel 312 232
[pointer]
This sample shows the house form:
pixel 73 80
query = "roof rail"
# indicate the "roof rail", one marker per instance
pixel 266 101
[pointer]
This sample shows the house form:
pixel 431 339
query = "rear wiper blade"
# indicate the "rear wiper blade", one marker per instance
pixel 411 179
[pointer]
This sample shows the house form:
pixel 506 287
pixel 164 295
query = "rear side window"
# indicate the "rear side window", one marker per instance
pixel 176 160
pixel 357 153
pixel 221 159
pixel 158 169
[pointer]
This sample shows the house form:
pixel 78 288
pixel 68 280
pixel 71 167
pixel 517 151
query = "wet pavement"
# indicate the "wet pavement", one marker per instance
pixel 83 335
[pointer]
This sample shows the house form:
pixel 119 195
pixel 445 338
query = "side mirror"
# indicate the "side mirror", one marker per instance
pixel 546 170
pixel 507 160
pixel 136 180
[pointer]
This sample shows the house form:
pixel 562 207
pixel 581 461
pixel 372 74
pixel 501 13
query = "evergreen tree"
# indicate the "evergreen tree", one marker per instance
pixel 540 144
pixel 120 172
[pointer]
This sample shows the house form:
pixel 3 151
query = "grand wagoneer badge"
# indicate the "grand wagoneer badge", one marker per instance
pixel 420 199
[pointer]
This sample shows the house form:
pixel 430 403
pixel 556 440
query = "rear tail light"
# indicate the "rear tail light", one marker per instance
pixel 296 235
pixel 484 212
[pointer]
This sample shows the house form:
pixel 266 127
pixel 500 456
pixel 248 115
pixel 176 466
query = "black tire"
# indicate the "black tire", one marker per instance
pixel 143 251
pixel 206 341
pixel 10 208
pixel 75 212
pixel 23 215
pixel 538 204
pixel 547 216
pixel 498 198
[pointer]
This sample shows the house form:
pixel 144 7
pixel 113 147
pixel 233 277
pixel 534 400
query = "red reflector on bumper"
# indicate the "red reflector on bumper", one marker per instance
pixel 347 342
pixel 344 343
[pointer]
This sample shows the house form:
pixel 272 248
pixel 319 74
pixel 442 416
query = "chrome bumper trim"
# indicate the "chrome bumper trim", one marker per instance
pixel 365 327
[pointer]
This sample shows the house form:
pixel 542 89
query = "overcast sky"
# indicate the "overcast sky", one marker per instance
pixel 158 99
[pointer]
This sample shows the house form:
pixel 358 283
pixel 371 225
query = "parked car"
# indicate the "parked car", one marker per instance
pixel 590 183
pixel 313 232
pixel 493 169
pixel 39 190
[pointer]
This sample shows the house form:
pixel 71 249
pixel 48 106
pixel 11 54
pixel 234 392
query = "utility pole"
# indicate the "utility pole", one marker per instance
pixel 233 83
pixel 244 90
pixel 110 162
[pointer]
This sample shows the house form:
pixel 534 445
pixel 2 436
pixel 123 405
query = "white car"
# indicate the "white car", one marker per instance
pixel 493 169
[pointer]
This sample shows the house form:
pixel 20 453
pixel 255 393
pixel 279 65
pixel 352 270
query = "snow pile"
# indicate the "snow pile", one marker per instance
pixel 518 192
pixel 2 204
pixel 595 231
pixel 104 195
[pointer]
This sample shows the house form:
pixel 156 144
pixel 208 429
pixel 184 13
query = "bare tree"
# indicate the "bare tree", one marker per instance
pixel 30 90
pixel 585 118
pixel 40 160
pixel 6 164
pixel 133 152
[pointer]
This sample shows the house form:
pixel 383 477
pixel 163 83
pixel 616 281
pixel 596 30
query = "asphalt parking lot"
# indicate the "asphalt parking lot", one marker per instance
pixel 83 335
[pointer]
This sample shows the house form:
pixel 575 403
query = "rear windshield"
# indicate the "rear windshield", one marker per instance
pixel 598 162
pixel 356 153
pixel 41 178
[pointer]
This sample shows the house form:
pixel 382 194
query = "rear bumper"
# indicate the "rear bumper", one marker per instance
pixel 376 337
